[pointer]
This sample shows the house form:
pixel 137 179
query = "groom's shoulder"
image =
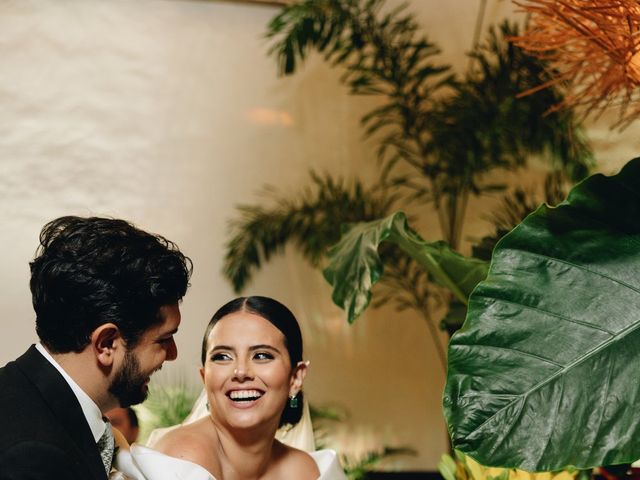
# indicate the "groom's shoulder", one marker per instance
pixel 38 460
pixel 23 410
pixel 15 384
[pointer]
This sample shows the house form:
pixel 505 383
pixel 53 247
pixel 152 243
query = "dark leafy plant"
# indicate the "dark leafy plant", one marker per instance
pixel 482 126
pixel 355 266
pixel 541 374
pixel 312 221
pixel 448 133
pixel 514 207
pixel 438 137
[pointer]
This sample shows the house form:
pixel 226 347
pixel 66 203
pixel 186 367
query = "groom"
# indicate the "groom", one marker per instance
pixel 106 300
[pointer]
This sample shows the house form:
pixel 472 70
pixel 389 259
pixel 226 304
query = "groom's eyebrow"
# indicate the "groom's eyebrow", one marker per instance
pixel 168 334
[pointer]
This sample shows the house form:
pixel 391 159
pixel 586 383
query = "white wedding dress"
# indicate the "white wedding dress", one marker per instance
pixel 143 463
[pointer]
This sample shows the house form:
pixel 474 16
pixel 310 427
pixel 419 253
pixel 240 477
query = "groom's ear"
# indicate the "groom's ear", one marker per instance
pixel 106 340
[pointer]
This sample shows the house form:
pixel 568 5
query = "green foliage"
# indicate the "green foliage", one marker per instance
pixel 355 265
pixel 165 406
pixel 382 53
pixel 466 468
pixel 541 374
pixel 359 469
pixel 448 132
pixel 484 125
pixel 312 222
pixel 324 419
pixel 438 138
pixel 513 209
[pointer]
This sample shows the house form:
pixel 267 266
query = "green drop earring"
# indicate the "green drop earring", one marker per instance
pixel 293 401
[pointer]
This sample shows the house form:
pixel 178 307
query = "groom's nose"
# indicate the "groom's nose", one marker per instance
pixel 172 351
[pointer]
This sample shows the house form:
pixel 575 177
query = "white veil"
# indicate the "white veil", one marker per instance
pixel 299 436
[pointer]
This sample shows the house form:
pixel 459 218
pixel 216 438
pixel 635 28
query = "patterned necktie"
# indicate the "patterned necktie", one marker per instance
pixel 106 445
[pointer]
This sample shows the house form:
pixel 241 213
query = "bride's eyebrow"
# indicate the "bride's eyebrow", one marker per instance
pixel 264 346
pixel 222 347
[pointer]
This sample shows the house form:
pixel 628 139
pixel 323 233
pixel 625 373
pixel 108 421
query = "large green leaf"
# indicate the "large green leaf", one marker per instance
pixel 356 265
pixel 544 372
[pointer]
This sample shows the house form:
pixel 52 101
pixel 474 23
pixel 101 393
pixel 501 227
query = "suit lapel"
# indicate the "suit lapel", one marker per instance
pixel 59 397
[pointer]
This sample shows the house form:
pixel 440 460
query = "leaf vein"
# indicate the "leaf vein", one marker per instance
pixel 624 332
pixel 551 314
pixel 529 354
pixel 582 268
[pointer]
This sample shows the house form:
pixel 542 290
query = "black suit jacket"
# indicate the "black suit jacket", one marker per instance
pixel 43 432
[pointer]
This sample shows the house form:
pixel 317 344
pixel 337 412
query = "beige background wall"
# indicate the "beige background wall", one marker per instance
pixel 169 113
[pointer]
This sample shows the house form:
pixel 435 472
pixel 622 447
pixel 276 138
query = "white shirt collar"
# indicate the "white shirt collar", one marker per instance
pixel 89 408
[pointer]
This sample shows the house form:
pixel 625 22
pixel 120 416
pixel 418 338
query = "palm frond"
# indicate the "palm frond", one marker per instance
pixel 382 53
pixel 358 470
pixel 312 221
pixel 515 206
pixel 484 125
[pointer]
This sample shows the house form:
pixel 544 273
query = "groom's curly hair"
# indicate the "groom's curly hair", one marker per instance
pixel 92 271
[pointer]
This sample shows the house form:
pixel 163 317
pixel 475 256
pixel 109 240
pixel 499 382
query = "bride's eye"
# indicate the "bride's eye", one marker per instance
pixel 263 356
pixel 221 357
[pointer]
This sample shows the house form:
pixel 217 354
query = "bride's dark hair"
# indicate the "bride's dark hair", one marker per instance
pixel 281 318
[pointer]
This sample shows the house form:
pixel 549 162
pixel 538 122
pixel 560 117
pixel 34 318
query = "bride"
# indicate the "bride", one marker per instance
pixel 253 372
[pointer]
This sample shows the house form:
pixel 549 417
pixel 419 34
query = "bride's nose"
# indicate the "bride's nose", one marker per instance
pixel 242 371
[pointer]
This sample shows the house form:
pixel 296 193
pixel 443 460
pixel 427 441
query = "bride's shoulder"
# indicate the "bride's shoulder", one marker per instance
pixel 190 442
pixel 298 462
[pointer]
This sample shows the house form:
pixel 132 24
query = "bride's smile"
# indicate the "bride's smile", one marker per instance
pixel 245 398
pixel 247 374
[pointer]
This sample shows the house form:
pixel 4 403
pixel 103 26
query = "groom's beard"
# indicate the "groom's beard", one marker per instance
pixel 129 384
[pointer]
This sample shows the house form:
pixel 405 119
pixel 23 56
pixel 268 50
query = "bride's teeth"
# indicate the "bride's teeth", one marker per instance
pixel 244 394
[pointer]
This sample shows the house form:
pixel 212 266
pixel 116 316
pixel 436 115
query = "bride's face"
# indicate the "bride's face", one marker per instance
pixel 247 372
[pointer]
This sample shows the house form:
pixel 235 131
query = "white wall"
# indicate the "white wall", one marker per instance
pixel 169 113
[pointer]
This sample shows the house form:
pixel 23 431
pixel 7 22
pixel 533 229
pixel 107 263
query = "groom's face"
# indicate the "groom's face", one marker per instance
pixel 130 384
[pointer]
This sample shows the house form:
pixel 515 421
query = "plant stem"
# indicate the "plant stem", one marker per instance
pixel 433 331
pixel 429 263
pixel 476 32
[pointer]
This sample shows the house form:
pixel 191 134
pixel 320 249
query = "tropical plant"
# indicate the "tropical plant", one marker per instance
pixel 358 470
pixel 166 406
pixel 437 139
pixel 355 265
pixel 449 133
pixel 324 419
pixel 466 468
pixel 311 221
pixel 541 376
pixel 514 207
